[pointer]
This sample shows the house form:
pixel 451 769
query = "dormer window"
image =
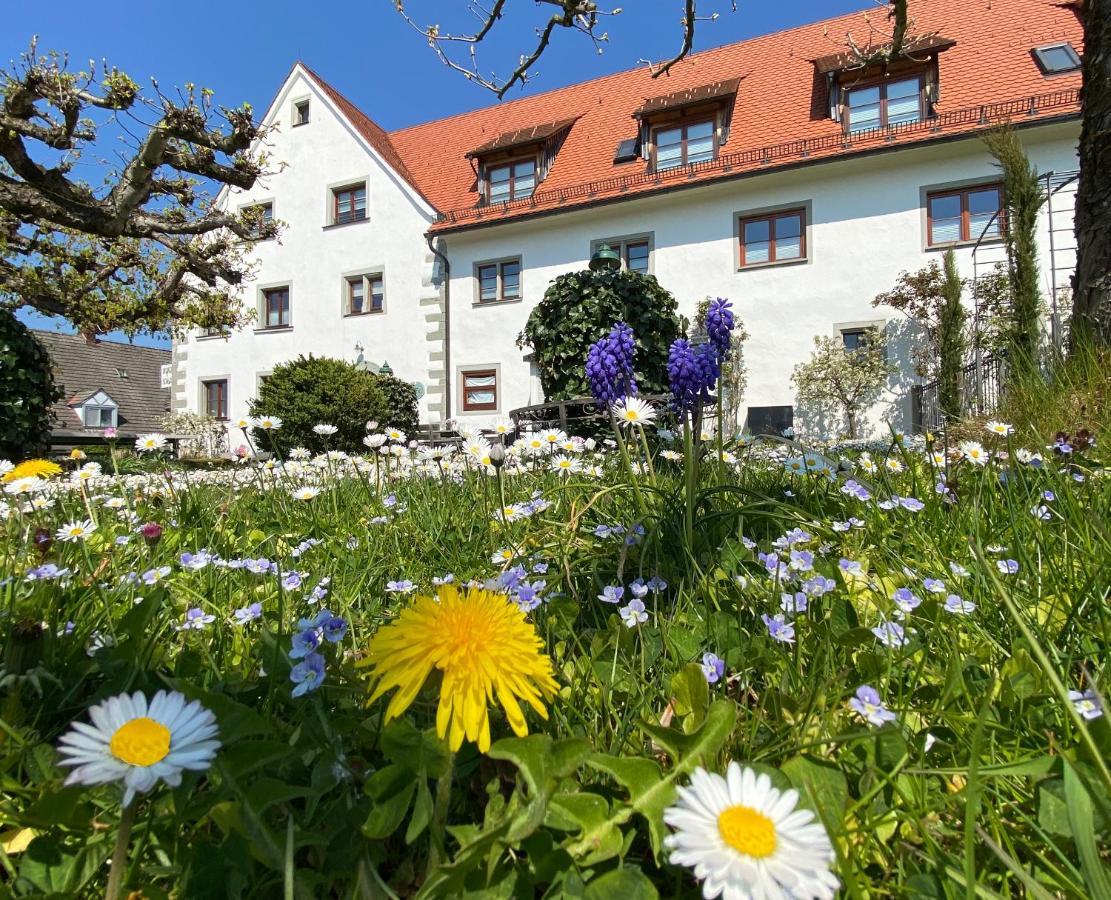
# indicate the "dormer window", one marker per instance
pixel 512 165
pixel 511 181
pixel 684 145
pixel 687 127
pixel 885 103
pixel 98 411
pixel 1056 59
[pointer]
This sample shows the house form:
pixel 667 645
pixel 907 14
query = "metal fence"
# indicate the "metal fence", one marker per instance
pixel 981 386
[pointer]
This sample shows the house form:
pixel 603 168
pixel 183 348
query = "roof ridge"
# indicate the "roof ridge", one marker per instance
pixel 577 85
pixel 100 341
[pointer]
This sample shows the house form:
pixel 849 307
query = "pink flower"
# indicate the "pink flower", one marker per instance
pixel 110 433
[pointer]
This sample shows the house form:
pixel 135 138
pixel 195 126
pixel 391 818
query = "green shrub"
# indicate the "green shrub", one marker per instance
pixel 401 402
pixel 581 307
pixel 27 391
pixel 315 390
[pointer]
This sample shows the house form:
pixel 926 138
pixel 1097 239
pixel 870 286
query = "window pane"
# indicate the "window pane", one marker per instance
pixel 488 283
pixel 700 142
pixel 636 258
pixel 1057 59
pixel 499 192
pixel 360 203
pixel 669 148
pixel 377 294
pixel 500 174
pixel 757 241
pixel 945 217
pixel 982 206
pixel 479 381
pixel 511 280
pixel 523 185
pixel 864 108
pixel 355 295
pixel 903 102
pixel 853 339
pixel 788 237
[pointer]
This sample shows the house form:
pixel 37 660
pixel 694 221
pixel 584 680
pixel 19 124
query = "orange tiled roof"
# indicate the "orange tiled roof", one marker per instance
pixel 780 115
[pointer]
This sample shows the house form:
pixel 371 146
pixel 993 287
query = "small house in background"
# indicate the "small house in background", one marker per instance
pixel 105 384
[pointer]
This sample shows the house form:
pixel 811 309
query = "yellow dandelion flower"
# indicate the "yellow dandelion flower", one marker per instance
pixel 33 468
pixel 487 651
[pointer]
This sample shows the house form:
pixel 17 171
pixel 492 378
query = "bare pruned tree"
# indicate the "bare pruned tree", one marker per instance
pixel 146 248
pixel 583 16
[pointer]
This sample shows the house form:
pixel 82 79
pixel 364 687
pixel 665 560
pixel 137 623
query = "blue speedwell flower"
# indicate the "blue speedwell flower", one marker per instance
pixel 609 366
pixel 868 705
pixel 308 674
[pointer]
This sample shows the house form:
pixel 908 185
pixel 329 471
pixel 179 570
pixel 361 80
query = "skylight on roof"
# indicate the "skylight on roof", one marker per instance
pixel 627 151
pixel 1053 59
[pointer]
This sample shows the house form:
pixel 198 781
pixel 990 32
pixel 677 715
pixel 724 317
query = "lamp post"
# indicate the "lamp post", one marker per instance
pixel 605 257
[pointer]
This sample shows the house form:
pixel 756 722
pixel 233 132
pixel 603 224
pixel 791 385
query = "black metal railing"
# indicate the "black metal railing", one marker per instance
pixel 981 387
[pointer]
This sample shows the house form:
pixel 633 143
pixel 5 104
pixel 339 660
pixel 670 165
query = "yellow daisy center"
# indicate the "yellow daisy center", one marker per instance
pixel 140 742
pixel 748 831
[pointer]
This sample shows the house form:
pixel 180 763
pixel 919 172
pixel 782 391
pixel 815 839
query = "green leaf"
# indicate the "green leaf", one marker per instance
pixel 244 757
pixel 588 814
pixel 1053 815
pixel 542 763
pixel 625 883
pixel 691 695
pixel 391 789
pixel 422 812
pixel 824 786
pixel 420 751
pixel 650 791
pixel 265 792
pixel 1082 822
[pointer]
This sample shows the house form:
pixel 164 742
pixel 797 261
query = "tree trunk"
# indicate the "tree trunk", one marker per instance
pixel 1091 316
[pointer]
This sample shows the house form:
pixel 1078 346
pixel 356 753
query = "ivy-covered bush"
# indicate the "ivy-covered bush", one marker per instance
pixel 581 307
pixel 401 402
pixel 315 390
pixel 26 391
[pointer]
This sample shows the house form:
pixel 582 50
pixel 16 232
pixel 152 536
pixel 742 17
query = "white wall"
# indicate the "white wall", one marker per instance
pixel 313 258
pixel 868 225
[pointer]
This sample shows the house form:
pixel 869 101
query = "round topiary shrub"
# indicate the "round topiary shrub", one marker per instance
pixel 315 390
pixel 27 391
pixel 401 402
pixel 581 307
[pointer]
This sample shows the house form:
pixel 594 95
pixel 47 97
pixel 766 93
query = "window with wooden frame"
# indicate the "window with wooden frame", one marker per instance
pixel 964 215
pixel 513 180
pixel 349 204
pixel 684 143
pixel 885 102
pixel 480 390
pixel 275 307
pixel 498 281
pixel 365 294
pixel 774 237
pixel 216 399
pixel 635 252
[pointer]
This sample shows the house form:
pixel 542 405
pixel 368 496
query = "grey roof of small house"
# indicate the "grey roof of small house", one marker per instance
pixel 81 369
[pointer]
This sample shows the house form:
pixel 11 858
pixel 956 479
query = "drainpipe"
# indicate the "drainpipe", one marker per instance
pixel 447 323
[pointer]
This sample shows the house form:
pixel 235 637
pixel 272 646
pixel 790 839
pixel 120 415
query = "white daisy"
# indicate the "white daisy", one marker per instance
pixel 325 430
pixel 893 464
pixel 304 493
pixel 566 465
pixel 148 443
pixel 268 423
pixel 634 411
pixel 395 434
pixel 1001 428
pixel 973 452
pixel 76 531
pixel 139 744
pixel 746 839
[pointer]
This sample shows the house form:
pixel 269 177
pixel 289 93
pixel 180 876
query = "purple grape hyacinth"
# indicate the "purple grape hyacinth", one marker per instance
pixel 692 372
pixel 719 325
pixel 609 365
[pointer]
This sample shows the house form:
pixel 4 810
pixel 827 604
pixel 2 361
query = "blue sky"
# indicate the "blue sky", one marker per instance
pixel 243 50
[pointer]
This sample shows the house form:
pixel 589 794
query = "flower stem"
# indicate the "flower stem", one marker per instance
pixel 119 853
pixel 440 809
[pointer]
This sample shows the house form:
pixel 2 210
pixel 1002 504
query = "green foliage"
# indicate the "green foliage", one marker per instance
pixel 579 308
pixel 27 391
pixel 841 380
pixel 401 402
pixel 315 390
pixel 952 340
pixel 1024 196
